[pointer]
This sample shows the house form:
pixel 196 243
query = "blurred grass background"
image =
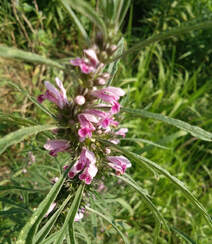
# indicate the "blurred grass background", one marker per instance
pixel 173 77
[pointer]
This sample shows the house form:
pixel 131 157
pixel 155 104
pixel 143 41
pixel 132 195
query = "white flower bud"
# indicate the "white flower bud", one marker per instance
pixel 79 100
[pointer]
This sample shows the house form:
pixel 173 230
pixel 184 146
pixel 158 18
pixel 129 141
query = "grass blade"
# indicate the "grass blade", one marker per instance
pixel 21 134
pixel 27 234
pixel 110 222
pixel 184 236
pixel 69 221
pixel 76 20
pixel 10 52
pixel 193 130
pixel 173 179
pixel 165 35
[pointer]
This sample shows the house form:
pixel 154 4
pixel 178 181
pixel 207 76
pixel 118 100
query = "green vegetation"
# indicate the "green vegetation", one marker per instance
pixel 171 77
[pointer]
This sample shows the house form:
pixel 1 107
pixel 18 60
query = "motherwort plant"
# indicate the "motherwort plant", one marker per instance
pixel 87 126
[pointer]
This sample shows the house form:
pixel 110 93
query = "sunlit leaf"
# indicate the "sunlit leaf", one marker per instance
pixel 21 134
pixel 13 53
pixel 193 130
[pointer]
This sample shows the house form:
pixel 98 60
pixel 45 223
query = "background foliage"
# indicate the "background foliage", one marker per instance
pixel 172 77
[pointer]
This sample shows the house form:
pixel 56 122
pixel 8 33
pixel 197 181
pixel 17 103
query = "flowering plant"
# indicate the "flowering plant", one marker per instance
pixel 87 128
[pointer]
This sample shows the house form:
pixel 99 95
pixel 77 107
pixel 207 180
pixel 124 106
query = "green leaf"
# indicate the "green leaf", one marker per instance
pixel 86 10
pixel 165 35
pixel 27 234
pixel 13 53
pixel 144 141
pixel 11 188
pixel 110 222
pixel 113 67
pixel 183 235
pixel 69 221
pixel 178 183
pixel 21 134
pixel 158 217
pixel 75 19
pixel 193 130
pixel 40 106
pixel 50 223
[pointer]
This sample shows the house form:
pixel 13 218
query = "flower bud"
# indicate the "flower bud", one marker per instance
pixel 105 75
pixel 79 100
pixel 100 81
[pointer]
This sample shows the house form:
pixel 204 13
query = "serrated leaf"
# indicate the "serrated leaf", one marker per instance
pixel 13 53
pixel 193 130
pixel 21 134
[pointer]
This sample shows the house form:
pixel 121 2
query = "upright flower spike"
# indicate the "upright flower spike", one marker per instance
pixel 55 146
pixel 54 95
pixel 119 163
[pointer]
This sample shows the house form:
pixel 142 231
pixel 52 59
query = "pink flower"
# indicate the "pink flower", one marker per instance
pixel 88 173
pixel 89 64
pixel 119 163
pixel 54 95
pixel 87 162
pixel 55 146
pixel 122 132
pixel 91 55
pixel 86 120
pixel 110 95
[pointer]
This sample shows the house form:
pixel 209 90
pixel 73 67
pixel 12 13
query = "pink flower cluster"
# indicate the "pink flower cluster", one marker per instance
pixel 91 118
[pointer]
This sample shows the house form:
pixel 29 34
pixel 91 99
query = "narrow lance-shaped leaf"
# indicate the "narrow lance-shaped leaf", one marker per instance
pixel 145 141
pixel 165 35
pixel 40 106
pixel 69 221
pixel 113 67
pixel 110 222
pixel 50 223
pixel 158 217
pixel 194 130
pixel 183 236
pixel 85 9
pixel 76 20
pixel 178 183
pixel 27 234
pixel 21 134
pixel 10 52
